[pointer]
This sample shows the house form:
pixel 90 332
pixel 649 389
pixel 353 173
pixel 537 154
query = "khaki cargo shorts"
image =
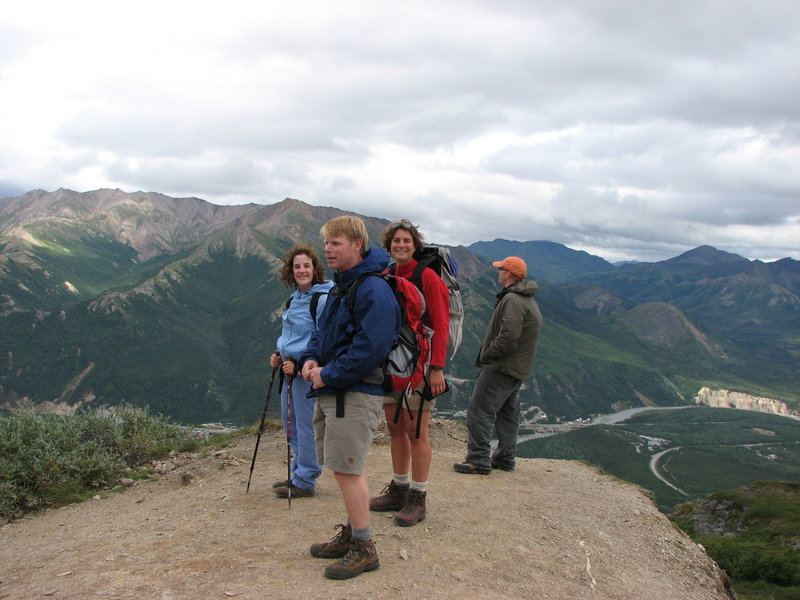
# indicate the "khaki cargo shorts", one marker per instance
pixel 343 443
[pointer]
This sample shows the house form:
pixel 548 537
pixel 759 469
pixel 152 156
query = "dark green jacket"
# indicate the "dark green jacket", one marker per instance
pixel 513 333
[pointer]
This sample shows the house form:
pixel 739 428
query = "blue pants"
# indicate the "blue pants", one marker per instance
pixel 494 406
pixel 305 468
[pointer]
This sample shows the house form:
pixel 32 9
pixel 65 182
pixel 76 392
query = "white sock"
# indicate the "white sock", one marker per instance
pixel 401 479
pixel 419 486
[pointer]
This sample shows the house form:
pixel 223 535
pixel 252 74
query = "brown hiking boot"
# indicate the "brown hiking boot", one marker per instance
pixel 393 497
pixel 283 492
pixel 338 545
pixel 360 557
pixel 414 510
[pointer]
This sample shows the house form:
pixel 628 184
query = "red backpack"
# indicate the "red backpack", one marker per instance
pixel 407 363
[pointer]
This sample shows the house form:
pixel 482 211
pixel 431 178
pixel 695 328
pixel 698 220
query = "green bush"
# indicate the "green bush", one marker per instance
pixel 761 590
pixel 49 460
pixel 754 561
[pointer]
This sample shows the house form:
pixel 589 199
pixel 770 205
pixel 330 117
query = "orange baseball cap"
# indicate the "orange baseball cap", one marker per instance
pixel 514 265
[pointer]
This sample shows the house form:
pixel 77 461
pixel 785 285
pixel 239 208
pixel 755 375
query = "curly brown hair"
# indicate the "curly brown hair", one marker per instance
pixel 286 274
pixel 406 225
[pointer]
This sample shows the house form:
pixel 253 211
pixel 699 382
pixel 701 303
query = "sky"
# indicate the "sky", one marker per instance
pixel 634 130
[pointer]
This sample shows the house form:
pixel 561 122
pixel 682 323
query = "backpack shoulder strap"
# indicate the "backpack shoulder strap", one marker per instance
pixel 312 307
pixel 351 291
pixel 314 304
pixel 416 276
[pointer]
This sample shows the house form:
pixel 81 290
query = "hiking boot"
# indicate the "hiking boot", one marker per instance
pixel 414 510
pixel 471 469
pixel 503 466
pixel 360 557
pixel 337 546
pixel 282 483
pixel 393 497
pixel 297 492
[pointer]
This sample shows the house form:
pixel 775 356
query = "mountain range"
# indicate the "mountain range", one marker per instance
pixel 174 303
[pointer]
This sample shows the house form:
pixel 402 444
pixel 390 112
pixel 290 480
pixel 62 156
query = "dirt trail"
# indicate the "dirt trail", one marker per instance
pixel 552 529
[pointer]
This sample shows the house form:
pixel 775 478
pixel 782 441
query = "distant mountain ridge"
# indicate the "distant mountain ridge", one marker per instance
pixel 545 260
pixel 108 296
pixel 753 304
pixel 704 256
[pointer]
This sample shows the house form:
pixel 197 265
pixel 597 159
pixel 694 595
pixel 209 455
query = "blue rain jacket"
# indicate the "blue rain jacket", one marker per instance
pixel 297 322
pixel 352 346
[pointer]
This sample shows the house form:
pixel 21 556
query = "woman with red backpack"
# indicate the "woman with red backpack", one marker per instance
pixel 408 423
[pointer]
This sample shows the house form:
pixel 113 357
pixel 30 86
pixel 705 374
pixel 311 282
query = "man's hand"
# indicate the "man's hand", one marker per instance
pixel 316 378
pixel 313 372
pixel 307 367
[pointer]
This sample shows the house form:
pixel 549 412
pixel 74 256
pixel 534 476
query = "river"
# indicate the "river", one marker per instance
pixel 611 419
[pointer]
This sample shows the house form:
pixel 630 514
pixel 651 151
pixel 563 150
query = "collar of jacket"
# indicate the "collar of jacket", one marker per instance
pixel 526 287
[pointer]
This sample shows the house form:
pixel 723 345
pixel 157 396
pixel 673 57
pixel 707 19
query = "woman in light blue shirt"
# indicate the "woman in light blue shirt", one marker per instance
pixel 302 270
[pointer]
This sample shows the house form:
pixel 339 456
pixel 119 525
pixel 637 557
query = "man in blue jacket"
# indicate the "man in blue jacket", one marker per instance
pixel 344 363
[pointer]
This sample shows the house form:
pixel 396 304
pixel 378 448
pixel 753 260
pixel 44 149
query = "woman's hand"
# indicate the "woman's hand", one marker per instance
pixel 288 367
pixel 274 360
pixel 436 380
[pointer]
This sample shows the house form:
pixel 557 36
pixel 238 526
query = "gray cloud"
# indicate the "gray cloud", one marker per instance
pixel 629 129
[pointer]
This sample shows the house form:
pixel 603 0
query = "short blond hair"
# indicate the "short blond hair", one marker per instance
pixel 349 226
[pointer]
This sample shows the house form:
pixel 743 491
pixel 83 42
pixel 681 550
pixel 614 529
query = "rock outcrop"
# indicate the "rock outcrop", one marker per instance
pixel 731 399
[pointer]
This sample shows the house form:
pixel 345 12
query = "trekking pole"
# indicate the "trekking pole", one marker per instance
pixel 261 426
pixel 289 435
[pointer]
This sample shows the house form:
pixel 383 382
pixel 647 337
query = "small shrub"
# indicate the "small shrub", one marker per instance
pixel 49 460
pixel 752 561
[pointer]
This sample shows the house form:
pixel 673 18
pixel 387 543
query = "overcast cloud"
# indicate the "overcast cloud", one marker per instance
pixel 630 129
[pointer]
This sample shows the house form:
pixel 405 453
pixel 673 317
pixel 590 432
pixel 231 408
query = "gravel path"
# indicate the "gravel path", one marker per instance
pixel 552 529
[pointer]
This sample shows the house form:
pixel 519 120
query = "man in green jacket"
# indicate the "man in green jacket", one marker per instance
pixel 505 359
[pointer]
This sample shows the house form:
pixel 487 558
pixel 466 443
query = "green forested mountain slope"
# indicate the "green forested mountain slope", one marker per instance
pixel 109 297
pixel 744 300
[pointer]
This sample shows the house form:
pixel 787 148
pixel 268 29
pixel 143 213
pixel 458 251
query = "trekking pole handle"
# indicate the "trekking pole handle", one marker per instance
pixel 295 366
pixel 275 357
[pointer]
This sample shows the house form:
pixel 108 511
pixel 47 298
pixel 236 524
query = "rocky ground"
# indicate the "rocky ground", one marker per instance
pixel 552 529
